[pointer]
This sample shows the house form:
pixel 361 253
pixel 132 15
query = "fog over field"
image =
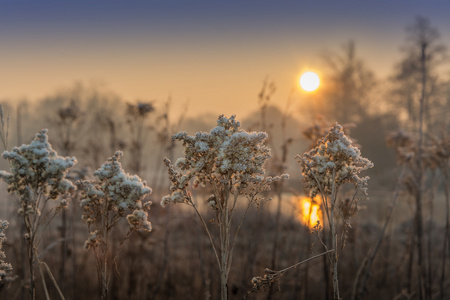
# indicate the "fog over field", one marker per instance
pixel 224 150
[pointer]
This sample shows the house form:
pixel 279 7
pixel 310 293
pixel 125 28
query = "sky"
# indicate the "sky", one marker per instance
pixel 214 54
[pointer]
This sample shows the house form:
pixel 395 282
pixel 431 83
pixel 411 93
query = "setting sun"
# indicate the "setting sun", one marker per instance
pixel 309 81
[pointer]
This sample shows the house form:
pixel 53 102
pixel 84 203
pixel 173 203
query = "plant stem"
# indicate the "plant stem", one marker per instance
pixel 273 263
pixel 334 260
pixel 447 230
pixel 419 179
pixel 32 290
pixel 224 248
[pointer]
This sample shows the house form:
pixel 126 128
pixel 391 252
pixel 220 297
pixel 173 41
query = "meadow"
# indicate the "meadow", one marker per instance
pixel 120 199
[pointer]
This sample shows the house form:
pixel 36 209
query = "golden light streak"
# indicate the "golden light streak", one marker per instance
pixel 309 211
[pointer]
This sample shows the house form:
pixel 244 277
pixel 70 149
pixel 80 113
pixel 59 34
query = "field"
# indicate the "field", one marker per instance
pixel 175 259
pixel 339 193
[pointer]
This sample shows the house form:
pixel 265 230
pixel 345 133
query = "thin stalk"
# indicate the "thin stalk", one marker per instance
pixel 334 260
pixel 44 284
pixel 447 231
pixel 230 259
pixel 224 248
pixel 419 179
pixel 305 261
pixel 207 231
pixel 275 239
pixel 32 289
pixel 52 279
pixel 271 276
pixel 431 193
pixel 277 230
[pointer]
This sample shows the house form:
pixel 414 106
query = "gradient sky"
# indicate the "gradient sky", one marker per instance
pixel 214 53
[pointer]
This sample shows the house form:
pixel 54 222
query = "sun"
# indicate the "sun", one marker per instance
pixel 309 81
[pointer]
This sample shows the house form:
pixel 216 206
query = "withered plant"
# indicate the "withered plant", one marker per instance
pixel 229 161
pixel 333 162
pixel 38 176
pixel 115 195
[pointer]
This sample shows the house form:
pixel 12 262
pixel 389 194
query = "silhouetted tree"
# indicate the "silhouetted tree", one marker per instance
pixel 416 75
pixel 418 84
pixel 348 97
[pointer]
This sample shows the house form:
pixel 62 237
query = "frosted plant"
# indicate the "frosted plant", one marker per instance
pixel 230 161
pixel 4 267
pixel 37 175
pixel 333 162
pixel 115 195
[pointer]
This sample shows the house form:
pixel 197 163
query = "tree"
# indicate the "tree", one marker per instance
pixel 416 74
pixel 418 81
pixel 350 83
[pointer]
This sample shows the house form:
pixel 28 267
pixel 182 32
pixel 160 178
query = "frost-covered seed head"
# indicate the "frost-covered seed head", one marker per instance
pixel 37 167
pixel 138 220
pixel 4 267
pixel 223 154
pixel 115 193
pixel 92 241
pixel 333 160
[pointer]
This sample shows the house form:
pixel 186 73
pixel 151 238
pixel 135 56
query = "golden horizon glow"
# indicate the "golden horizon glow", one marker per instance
pixel 309 211
pixel 309 81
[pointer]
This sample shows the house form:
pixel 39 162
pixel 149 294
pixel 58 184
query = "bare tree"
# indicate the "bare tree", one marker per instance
pixel 417 88
pixel 351 82
pixel 416 75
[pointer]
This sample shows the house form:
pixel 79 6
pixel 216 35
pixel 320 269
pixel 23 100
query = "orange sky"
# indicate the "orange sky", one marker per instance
pixel 216 55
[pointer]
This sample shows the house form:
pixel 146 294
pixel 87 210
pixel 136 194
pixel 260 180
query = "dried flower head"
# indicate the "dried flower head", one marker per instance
pixel 37 168
pixel 140 109
pixel 435 151
pixel 334 161
pixel 112 196
pixel 225 154
pixel 404 144
pixel 4 267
